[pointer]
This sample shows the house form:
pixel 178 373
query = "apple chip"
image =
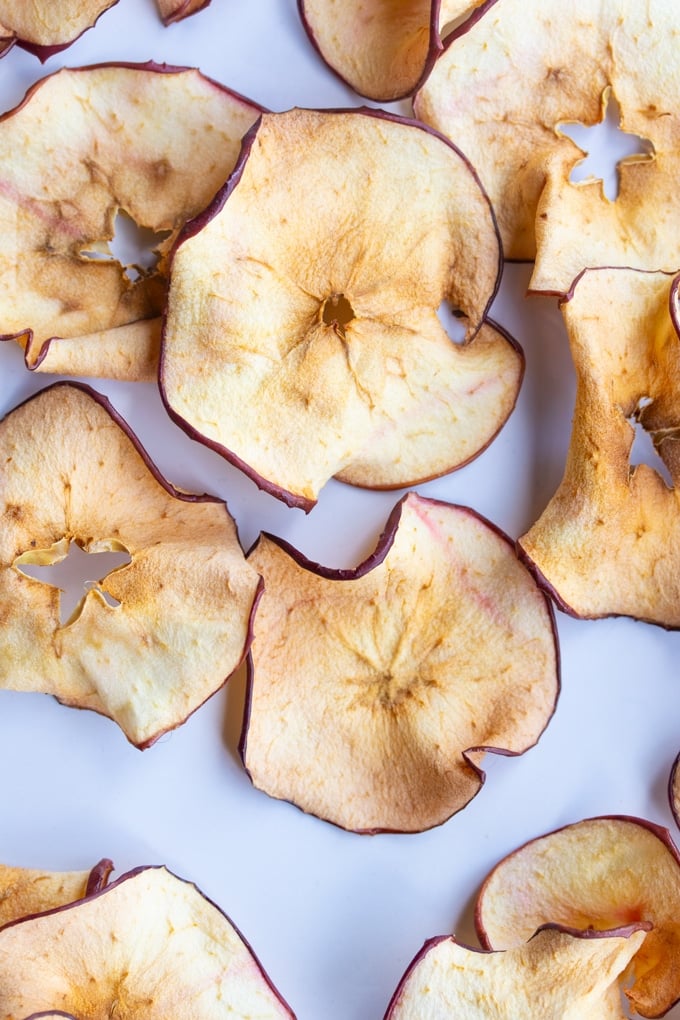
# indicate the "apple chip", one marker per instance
pixel 44 27
pixel 594 874
pixel 674 790
pixel 26 891
pixel 502 93
pixel 557 975
pixel 150 945
pixel 151 642
pixel 148 141
pixel 373 691
pixel 176 10
pixel 302 339
pixel 608 542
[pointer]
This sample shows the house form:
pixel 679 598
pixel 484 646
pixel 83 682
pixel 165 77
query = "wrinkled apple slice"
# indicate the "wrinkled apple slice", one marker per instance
pixel 148 140
pixel 72 471
pixel 26 891
pixel 149 945
pixel 606 543
pixel 557 975
pixel 598 873
pixel 372 691
pixel 301 337
pixel 502 92
pixel 176 10
pixel 44 27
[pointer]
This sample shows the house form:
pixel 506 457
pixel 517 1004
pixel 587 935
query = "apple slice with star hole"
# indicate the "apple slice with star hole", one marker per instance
pixel 44 27
pixel 180 624
pixel 149 945
pixel 594 874
pixel 559 974
pixel 151 141
pixel 27 891
pixel 302 340
pixel 373 692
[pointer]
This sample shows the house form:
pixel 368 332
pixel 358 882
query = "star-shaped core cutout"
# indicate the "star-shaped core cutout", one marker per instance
pixel 134 246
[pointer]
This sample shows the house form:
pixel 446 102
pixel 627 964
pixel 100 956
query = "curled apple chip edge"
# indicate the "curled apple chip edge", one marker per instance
pixel 172 11
pixel 310 345
pixel 151 642
pixel 558 973
pixel 595 873
pixel 73 307
pixel 503 93
pixel 28 891
pixel 46 27
pixel 603 546
pixel 357 706
pixel 176 951
pixel 674 790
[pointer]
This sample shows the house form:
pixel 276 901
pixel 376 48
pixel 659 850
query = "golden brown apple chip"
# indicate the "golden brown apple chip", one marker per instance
pixel 501 91
pixel 151 642
pixel 149 141
pixel 598 873
pixel 373 690
pixel 674 790
pixel 149 945
pixel 26 891
pixel 176 10
pixel 557 975
pixel 46 26
pixel 302 338
pixel 607 542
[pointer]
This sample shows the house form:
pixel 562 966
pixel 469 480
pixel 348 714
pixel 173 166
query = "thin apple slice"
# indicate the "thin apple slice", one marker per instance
pixel 594 874
pixel 608 543
pixel 502 92
pixel 176 10
pixel 151 141
pixel 26 891
pixel 179 624
pixel 44 27
pixel 557 975
pixel 373 691
pixel 149 945
pixel 674 790
pixel 300 332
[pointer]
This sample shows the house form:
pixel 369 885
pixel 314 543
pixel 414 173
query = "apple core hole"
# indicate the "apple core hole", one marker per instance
pixel 133 246
pixel 643 450
pixel 454 322
pixel 337 311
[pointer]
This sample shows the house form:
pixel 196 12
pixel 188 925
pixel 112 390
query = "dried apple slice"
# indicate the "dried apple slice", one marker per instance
pixel 176 10
pixel 372 691
pixel 72 471
pixel 44 27
pixel 26 891
pixel 151 141
pixel 606 543
pixel 149 945
pixel 501 92
pixel 597 873
pixel 300 337
pixel 557 975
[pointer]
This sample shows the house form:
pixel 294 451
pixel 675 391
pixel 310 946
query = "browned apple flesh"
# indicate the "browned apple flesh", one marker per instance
pixel 606 543
pixel 597 873
pixel 149 141
pixel 176 10
pixel 302 339
pixel 148 644
pixel 502 91
pixel 46 26
pixel 372 691
pixel 26 891
pixel 149 945
pixel 674 790
pixel 556 975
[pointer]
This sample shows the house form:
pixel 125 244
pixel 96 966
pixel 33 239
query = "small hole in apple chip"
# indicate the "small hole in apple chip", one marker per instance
pixel 337 311
pixel 135 247
pixel 454 322
pixel 643 450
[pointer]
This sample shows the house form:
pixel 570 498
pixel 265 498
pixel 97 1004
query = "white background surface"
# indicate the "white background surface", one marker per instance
pixel 334 917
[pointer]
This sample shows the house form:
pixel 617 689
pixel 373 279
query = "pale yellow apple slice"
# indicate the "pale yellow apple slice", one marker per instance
pixel 501 91
pixel 149 945
pixel 26 891
pixel 153 640
pixel 557 975
pixel 373 691
pixel 302 338
pixel 45 27
pixel 595 874
pixel 607 542
pixel 151 141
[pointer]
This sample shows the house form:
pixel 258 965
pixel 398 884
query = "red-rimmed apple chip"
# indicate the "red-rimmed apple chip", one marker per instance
pixel 70 471
pixel 501 92
pixel 606 543
pixel 598 873
pixel 44 27
pixel 373 691
pixel 557 975
pixel 150 141
pixel 149 945
pixel 26 891
pixel 176 10
pixel 674 790
pixel 302 339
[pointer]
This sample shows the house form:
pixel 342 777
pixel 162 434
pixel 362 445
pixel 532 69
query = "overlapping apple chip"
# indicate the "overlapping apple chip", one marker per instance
pixel 149 945
pixel 595 874
pixel 176 10
pixel 26 891
pixel 45 27
pixel 302 339
pixel 502 93
pixel 150 141
pixel 557 975
pixel 71 471
pixel 607 542
pixel 373 691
